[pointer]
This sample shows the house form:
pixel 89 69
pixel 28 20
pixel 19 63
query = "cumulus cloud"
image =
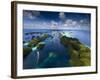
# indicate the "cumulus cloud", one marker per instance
pixel 62 16
pixel 74 23
pixel 37 25
pixel 85 23
pixel 54 24
pixel 31 14
pixel 70 23
pixel 41 25
pixel 81 21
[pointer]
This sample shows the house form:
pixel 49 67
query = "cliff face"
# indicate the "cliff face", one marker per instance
pixel 79 53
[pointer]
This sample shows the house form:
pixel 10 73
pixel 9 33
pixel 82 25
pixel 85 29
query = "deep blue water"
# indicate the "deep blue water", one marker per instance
pixel 52 46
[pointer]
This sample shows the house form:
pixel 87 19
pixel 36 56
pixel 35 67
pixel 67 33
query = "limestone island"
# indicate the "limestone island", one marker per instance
pixel 79 53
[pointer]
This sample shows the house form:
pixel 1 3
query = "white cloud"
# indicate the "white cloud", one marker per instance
pixel 31 14
pixel 81 21
pixel 62 15
pixel 65 25
pixel 54 25
pixel 84 23
pixel 37 25
pixel 74 23
pixel 70 23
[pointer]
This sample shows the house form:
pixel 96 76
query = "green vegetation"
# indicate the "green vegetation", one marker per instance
pixel 42 38
pixel 40 45
pixel 35 42
pixel 79 53
pixel 26 51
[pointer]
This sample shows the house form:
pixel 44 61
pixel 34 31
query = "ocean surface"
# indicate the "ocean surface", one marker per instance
pixel 54 54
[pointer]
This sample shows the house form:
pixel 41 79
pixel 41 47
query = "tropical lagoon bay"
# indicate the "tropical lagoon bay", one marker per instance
pixel 45 48
pixel 53 39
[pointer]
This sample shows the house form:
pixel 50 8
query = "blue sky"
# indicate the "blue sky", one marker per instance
pixel 55 20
